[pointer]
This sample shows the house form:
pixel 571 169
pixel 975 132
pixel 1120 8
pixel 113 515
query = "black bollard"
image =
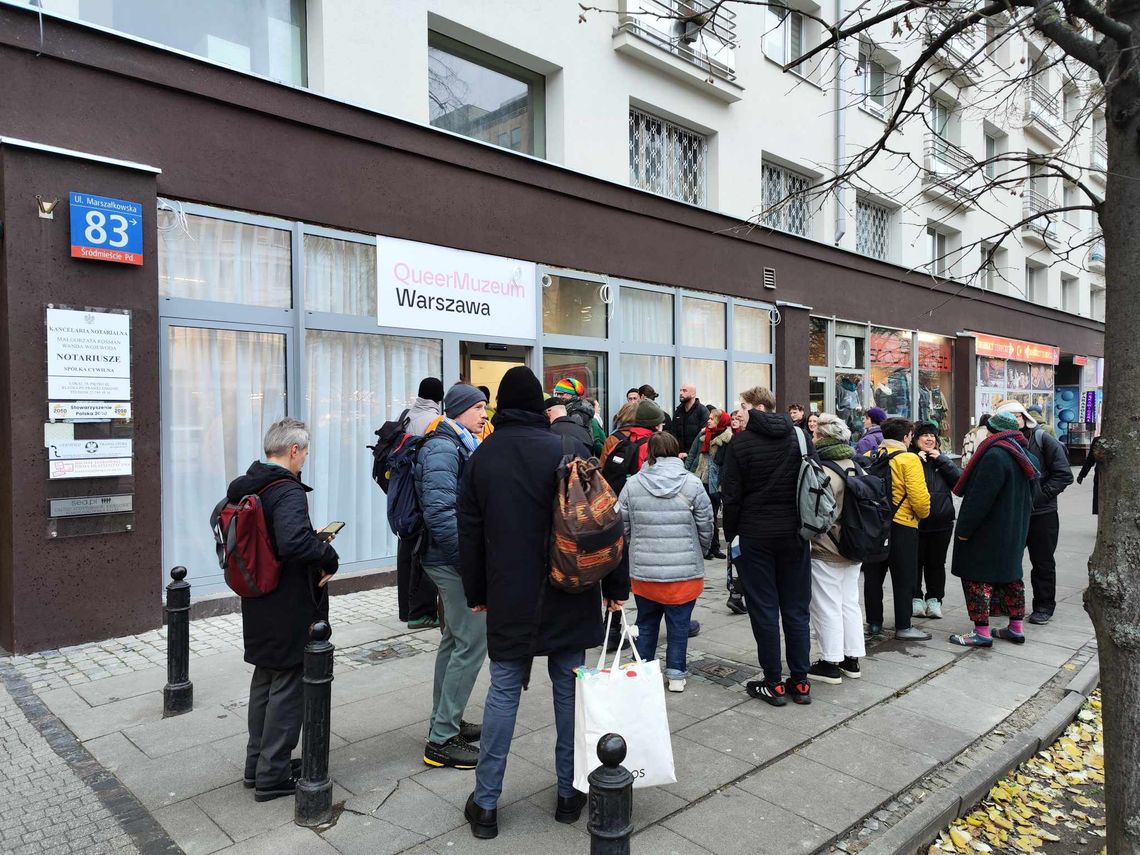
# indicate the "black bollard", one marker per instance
pixel 314 790
pixel 178 693
pixel 611 800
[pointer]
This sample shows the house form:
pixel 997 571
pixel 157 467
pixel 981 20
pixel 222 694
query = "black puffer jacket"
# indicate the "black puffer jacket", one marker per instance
pixel 941 476
pixel 1056 474
pixel 572 427
pixel 688 424
pixel 506 501
pixel 758 478
pixel 276 626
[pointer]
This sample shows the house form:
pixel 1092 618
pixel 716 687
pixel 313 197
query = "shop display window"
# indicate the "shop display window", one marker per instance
pixel 850 393
pixel 891 371
pixel 703 324
pixel 646 317
pixel 817 343
pixel 817 394
pixel 588 368
pixel 574 307
pixel 936 384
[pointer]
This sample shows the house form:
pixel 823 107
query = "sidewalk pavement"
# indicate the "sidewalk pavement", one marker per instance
pixel 104 772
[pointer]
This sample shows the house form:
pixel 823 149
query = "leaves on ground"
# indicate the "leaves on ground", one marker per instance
pixel 1059 791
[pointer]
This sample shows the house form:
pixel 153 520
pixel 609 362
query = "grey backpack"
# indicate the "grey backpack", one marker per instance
pixel 817 511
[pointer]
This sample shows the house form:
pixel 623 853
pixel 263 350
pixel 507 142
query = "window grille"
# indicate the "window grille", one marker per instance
pixel 667 159
pixel 872 229
pixel 785 200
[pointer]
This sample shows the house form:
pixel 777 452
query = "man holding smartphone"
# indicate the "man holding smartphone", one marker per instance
pixel 276 626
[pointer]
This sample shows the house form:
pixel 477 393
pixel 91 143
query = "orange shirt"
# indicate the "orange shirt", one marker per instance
pixel 668 593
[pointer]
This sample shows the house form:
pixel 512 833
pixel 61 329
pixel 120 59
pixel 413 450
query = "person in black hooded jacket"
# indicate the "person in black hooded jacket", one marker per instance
pixel 276 626
pixel 935 531
pixel 506 500
pixel 759 500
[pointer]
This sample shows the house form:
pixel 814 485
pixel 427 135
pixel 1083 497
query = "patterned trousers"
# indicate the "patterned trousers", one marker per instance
pixel 987 598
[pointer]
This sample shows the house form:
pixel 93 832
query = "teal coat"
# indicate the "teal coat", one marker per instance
pixel 994 520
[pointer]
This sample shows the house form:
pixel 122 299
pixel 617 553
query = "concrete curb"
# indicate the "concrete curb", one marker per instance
pixel 923 823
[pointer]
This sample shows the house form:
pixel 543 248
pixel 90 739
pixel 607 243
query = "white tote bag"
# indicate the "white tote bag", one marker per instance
pixel 628 700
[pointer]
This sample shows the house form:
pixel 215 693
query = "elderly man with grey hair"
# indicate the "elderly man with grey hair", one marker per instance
pixel 276 626
pixel 835 615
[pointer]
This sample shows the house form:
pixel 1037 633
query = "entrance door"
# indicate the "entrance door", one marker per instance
pixel 485 363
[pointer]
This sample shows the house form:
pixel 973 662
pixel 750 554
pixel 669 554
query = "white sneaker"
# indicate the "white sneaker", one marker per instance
pixel 934 609
pixel 676 685
pixel 918 608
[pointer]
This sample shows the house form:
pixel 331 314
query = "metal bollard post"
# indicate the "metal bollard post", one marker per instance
pixel 611 800
pixel 314 790
pixel 178 693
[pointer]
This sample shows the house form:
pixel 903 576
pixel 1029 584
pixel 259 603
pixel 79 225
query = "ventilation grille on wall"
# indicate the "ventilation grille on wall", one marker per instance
pixel 769 277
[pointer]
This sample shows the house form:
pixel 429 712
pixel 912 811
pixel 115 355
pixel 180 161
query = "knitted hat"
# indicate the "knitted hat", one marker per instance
pixel 877 415
pixel 923 428
pixel 1016 407
pixel 520 390
pixel 431 388
pixel 1036 410
pixel 648 415
pixel 460 398
pixel 1001 422
pixel 569 386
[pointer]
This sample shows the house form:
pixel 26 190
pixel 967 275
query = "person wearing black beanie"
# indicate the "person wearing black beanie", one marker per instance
pixel 431 388
pixel 505 498
pixel 415 592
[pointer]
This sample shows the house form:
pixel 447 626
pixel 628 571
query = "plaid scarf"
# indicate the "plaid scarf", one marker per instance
pixel 1013 442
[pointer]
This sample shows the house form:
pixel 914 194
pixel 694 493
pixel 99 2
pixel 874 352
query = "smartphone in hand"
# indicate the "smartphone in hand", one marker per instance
pixel 330 530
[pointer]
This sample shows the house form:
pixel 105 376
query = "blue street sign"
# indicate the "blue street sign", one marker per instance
pixel 106 229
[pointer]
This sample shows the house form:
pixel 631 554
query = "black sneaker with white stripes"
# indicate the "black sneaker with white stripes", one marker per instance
pixel 774 693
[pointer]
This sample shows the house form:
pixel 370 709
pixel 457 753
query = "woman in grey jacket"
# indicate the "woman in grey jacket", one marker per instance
pixel 669 526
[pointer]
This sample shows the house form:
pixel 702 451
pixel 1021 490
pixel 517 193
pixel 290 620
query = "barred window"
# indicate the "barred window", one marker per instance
pixel 667 159
pixel 872 229
pixel 785 200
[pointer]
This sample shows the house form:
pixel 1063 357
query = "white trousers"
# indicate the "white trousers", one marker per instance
pixel 835 614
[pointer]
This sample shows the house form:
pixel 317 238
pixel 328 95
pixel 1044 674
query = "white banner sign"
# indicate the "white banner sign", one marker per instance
pixel 88 411
pixel 89 449
pixel 89 355
pixel 111 467
pixel 426 287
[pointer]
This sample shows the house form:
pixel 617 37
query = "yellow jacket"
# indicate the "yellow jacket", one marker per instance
pixel 908 484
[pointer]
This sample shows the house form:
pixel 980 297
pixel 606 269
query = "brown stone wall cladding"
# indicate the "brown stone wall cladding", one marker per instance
pixel 232 140
pixel 59 592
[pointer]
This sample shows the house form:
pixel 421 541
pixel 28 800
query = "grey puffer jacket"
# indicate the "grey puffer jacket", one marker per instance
pixel 421 414
pixel 668 523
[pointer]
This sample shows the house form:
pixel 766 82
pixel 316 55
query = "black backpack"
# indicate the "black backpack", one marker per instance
pixel 623 462
pixel 388 438
pixel 867 510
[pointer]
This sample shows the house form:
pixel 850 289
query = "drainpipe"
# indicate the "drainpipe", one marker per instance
pixel 840 128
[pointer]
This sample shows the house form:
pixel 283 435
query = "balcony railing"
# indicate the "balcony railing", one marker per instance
pixel 1099 154
pixel 964 51
pixel 1035 204
pixel 1041 106
pixel 946 166
pixel 699 31
pixel 1096 250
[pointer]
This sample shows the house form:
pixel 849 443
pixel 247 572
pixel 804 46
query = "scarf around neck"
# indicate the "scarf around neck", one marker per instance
pixel 1013 442
pixel 722 423
pixel 469 440
pixel 833 449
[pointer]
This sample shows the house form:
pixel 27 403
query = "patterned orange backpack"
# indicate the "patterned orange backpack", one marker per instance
pixel 587 536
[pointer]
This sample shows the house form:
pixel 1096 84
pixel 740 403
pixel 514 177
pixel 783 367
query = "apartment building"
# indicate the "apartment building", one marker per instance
pixel 336 198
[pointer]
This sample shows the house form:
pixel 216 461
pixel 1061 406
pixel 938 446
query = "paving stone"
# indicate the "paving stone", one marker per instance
pixel 522 780
pixel 366 835
pixel 202 725
pixel 959 709
pixel 659 840
pixel 415 808
pixel 192 829
pixel 701 769
pixel 735 822
pixel 523 827
pixel 796 784
pixel 869 759
pixel 372 716
pixel 161 781
pixel 288 839
pixel 365 765
pixel 745 737
pixel 900 726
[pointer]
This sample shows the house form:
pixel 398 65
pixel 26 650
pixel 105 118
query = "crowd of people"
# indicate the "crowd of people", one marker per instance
pixel 486 487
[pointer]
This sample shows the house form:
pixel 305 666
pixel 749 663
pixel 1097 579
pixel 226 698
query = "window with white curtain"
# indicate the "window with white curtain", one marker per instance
pixel 225 388
pixel 703 323
pixel 745 375
pixel 707 375
pixel 638 369
pixel 356 381
pixel 751 329
pixel 224 261
pixel 646 317
pixel 340 276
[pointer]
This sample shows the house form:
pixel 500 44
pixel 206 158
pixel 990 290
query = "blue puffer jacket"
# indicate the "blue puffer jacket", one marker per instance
pixel 439 463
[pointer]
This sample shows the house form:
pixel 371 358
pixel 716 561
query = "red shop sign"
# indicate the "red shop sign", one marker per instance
pixel 1022 351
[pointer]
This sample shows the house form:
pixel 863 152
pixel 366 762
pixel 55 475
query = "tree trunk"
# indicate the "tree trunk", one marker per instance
pixel 1113 595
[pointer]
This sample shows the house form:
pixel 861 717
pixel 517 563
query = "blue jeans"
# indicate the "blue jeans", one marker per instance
pixel 649 614
pixel 776 575
pixel 499 711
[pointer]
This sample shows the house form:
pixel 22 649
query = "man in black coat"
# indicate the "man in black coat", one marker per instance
pixel 758 494
pixel 1044 523
pixel 563 425
pixel 506 500
pixel 689 419
pixel 276 625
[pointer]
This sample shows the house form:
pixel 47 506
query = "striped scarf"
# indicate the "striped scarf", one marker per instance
pixel 1013 442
